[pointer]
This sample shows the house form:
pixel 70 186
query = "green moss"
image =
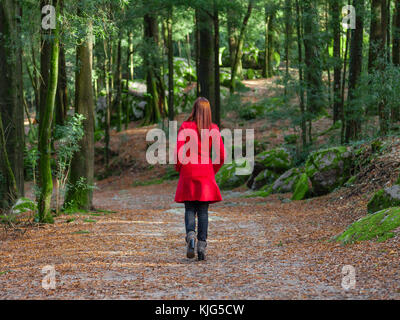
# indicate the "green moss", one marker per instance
pixel 277 160
pixel 350 181
pixel 267 190
pixel 378 226
pixel 382 200
pixel 333 166
pixel 287 182
pixel 302 188
pixel 227 178
pixel 265 177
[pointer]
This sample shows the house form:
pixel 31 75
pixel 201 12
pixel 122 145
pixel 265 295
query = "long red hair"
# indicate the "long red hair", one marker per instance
pixel 201 114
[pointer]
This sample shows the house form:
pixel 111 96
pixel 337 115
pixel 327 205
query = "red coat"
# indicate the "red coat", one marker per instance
pixel 197 181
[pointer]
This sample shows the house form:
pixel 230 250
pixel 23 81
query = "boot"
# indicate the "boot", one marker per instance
pixel 191 243
pixel 201 250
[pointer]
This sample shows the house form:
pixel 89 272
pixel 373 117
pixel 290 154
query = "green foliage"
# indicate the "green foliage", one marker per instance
pixel 379 226
pixel 67 140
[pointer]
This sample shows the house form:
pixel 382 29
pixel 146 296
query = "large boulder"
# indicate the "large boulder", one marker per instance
pixel 263 178
pixel 230 177
pixel 302 188
pixel 379 226
pixel 328 169
pixel 385 198
pixel 277 160
pixel 287 181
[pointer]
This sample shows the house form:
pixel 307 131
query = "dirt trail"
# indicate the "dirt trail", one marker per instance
pixel 258 249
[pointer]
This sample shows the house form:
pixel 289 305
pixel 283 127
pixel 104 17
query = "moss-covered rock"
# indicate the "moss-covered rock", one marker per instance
pixel 263 178
pixel 287 181
pixel 278 160
pixel 302 188
pixel 328 169
pixel 258 167
pixel 227 177
pixel 384 198
pixel 379 226
pixel 263 192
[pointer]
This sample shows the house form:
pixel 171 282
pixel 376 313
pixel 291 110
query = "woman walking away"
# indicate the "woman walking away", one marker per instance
pixel 197 138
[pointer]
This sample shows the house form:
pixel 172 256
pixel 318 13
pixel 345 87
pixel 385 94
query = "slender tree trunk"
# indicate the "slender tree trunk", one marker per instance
pixel 108 107
pixel 118 100
pixel 217 107
pixel 233 35
pixel 239 50
pixel 82 165
pixel 45 125
pixel 130 57
pixel 313 69
pixel 288 33
pixel 153 71
pixel 62 89
pixel 303 124
pixel 197 45
pixel 356 50
pixel 337 67
pixel 171 110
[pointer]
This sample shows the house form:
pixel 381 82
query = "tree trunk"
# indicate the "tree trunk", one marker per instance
pixel 108 107
pixel 153 72
pixel 217 107
pixel 352 118
pixel 118 100
pixel 288 32
pixel 337 67
pixel 303 124
pixel 62 89
pixel 206 59
pixel 313 68
pixel 197 45
pixel 396 53
pixel 171 111
pixel 233 35
pixel 82 165
pixel 45 125
pixel 11 101
pixel 239 50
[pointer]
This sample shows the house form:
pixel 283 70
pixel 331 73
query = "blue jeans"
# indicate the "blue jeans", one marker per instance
pixel 201 209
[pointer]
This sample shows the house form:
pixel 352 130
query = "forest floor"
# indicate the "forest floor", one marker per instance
pixel 132 246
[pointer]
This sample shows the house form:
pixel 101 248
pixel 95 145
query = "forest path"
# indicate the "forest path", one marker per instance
pixel 258 249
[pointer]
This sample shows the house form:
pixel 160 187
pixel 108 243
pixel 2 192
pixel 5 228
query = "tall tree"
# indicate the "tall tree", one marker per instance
pixel 352 119
pixel 313 65
pixel 11 104
pixel 303 124
pixel 46 119
pixel 240 42
pixel 171 111
pixel 206 58
pixel 62 85
pixel 79 194
pixel 153 72
pixel 337 61
pixel 216 110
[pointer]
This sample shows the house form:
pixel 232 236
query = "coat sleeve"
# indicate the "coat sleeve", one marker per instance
pixel 179 144
pixel 221 154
